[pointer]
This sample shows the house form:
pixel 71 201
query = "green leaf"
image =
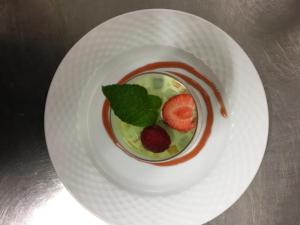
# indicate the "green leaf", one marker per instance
pixel 132 104
pixel 154 101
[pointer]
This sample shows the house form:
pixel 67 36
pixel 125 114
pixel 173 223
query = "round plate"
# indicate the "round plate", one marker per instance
pixel 83 155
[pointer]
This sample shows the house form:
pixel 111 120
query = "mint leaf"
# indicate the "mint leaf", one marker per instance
pixel 154 101
pixel 132 104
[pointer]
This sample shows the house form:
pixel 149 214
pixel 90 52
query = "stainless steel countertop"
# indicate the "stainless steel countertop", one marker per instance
pixel 36 34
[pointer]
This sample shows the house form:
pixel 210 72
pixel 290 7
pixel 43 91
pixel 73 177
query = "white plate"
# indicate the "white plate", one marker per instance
pixel 84 156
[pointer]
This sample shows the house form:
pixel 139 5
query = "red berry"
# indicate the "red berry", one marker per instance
pixel 155 139
pixel 178 112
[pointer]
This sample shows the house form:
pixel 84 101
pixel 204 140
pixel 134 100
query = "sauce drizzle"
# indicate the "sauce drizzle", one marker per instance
pixel 196 85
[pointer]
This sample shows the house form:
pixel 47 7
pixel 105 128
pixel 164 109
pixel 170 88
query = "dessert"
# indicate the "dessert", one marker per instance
pixel 168 99
pixel 155 133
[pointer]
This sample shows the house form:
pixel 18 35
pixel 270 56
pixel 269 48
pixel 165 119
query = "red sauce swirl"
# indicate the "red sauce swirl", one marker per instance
pixel 209 120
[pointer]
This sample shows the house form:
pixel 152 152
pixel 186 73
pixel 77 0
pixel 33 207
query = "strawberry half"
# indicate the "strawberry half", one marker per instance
pixel 179 112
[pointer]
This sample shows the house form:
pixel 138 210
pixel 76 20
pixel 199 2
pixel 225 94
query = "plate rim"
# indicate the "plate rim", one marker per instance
pixel 158 10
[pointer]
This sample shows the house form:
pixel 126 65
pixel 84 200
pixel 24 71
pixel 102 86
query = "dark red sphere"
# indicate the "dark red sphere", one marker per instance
pixel 155 139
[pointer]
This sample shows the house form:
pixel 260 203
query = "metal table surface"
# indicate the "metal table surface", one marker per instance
pixel 36 34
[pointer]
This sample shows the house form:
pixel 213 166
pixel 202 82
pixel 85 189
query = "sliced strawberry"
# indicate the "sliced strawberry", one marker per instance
pixel 179 112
